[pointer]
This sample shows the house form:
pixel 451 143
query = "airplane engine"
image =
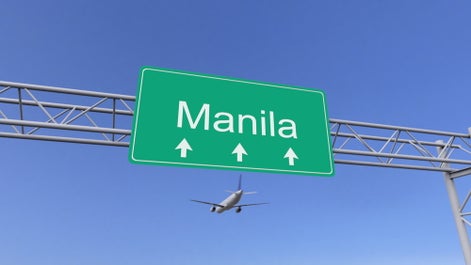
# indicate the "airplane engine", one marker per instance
pixel 213 209
pixel 238 209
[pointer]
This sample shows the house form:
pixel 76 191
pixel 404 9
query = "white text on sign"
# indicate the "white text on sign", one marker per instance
pixel 224 122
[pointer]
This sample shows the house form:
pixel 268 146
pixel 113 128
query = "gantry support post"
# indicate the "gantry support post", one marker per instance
pixel 456 209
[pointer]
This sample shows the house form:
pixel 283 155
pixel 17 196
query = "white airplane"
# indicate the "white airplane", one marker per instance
pixel 231 201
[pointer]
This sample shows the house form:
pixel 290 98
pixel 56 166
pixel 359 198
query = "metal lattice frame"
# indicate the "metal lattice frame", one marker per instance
pixel 59 114
pixel 78 116
pixel 368 144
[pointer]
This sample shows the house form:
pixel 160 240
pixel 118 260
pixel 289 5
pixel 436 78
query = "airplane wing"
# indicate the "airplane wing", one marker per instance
pixel 250 204
pixel 210 203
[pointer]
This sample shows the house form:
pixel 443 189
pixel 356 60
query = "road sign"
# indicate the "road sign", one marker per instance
pixel 189 119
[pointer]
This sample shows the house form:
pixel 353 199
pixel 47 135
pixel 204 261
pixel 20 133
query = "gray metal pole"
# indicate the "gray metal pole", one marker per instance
pixel 456 210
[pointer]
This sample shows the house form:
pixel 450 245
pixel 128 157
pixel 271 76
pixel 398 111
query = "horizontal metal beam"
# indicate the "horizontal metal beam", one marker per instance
pixel 401 128
pixel 399 156
pixel 65 106
pixel 67 90
pixel 401 166
pixel 460 173
pixel 64 126
pixel 385 139
pixel 63 139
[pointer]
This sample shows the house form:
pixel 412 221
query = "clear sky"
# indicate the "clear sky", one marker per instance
pixel 394 62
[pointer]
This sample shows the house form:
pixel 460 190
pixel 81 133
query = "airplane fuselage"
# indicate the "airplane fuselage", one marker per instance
pixel 228 203
pixel 232 201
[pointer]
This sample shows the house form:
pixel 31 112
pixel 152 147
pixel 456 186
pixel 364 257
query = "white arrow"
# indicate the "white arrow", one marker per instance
pixel 291 155
pixel 239 150
pixel 183 146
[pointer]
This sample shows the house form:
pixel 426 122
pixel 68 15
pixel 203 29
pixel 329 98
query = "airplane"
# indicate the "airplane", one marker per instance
pixel 231 201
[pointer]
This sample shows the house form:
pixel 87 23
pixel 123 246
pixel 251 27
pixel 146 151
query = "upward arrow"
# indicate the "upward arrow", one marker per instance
pixel 291 155
pixel 183 146
pixel 239 150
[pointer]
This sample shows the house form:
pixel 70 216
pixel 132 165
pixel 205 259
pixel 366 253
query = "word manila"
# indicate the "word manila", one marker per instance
pixel 224 122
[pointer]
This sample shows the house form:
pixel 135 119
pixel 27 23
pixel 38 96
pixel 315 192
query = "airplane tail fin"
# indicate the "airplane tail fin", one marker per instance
pixel 240 182
pixel 240 187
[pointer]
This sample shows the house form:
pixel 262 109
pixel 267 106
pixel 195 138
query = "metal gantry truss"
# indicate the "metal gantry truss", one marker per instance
pixel 78 116
pixel 64 115
pixel 369 144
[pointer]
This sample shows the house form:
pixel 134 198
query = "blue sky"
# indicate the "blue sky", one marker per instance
pixel 393 62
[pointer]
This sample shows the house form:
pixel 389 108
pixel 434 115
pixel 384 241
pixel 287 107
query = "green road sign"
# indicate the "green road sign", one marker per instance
pixel 188 119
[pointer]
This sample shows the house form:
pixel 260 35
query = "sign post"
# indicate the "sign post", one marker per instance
pixel 188 119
